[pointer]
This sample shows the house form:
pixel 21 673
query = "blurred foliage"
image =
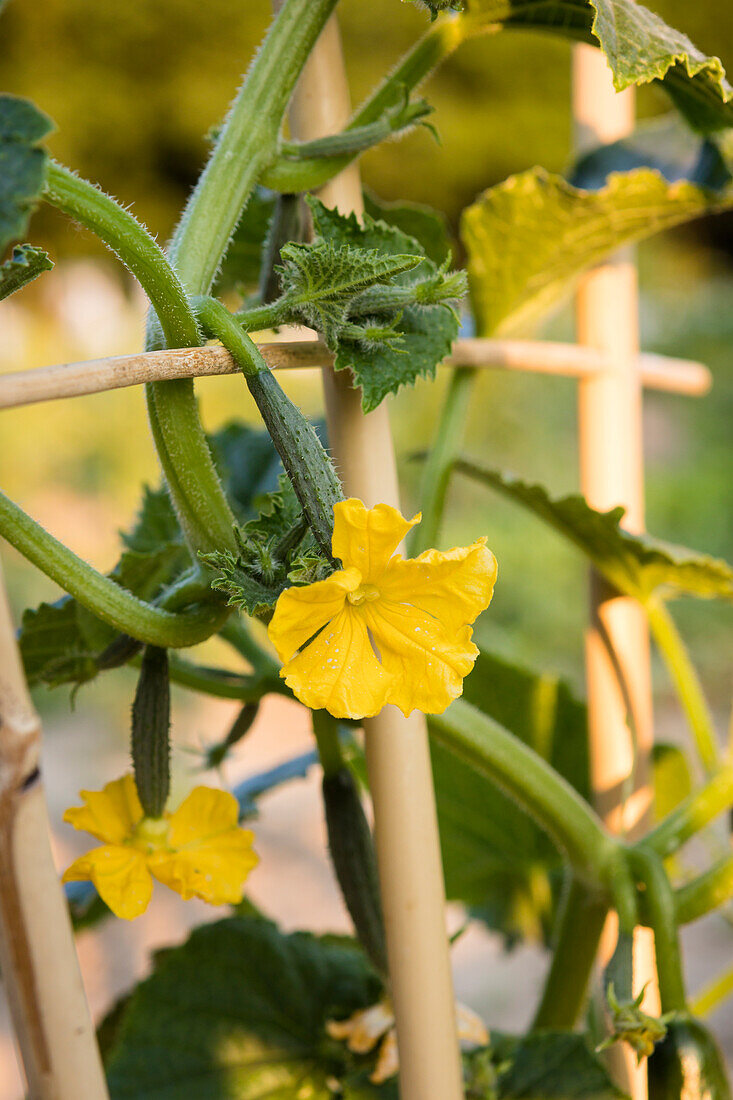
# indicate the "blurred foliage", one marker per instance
pixel 134 88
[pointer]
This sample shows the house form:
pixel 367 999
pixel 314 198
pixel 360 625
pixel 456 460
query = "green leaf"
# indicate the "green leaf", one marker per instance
pixel 320 280
pixel 425 332
pixel 238 1013
pixel 22 164
pixel 248 464
pixel 638 45
pixel 529 237
pixel 240 267
pixel 60 643
pixel 64 643
pixel 25 265
pixel 496 859
pixel 427 226
pixel 275 550
pixel 637 565
pixel 550 1065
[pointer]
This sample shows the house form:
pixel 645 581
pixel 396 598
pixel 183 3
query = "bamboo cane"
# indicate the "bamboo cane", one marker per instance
pixel 611 464
pixel 64 380
pixel 39 965
pixel 398 759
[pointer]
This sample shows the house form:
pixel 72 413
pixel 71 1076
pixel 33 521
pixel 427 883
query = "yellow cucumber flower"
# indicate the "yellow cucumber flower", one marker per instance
pixel 376 1025
pixel 384 629
pixel 199 850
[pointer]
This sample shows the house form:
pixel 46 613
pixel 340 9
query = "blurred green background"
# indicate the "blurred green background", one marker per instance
pixel 134 89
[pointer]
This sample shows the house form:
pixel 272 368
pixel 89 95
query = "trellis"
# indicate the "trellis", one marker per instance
pixel 38 960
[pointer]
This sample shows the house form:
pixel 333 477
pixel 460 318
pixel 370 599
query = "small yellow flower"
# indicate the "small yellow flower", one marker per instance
pixel 364 1030
pixel 384 629
pixel 198 851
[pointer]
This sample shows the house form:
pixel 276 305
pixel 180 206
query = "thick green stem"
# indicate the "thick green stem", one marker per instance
pixel 447 444
pixel 184 454
pixel 113 604
pixel 706 892
pixel 262 317
pixel 193 483
pixel 692 815
pixel 687 683
pixel 221 683
pixel 536 786
pixel 659 909
pixel 247 143
pixel 580 923
pixel 237 634
pixel 311 472
pixel 131 242
pixel 442 38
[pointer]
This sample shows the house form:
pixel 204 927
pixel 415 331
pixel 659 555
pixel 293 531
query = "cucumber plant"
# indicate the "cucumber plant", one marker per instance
pixel 244 517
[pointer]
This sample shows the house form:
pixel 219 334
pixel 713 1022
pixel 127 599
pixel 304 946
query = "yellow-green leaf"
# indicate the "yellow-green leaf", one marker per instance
pixel 637 565
pixel 529 237
pixel 639 47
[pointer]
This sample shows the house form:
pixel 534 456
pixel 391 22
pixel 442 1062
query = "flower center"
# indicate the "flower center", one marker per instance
pixel 151 834
pixel 365 593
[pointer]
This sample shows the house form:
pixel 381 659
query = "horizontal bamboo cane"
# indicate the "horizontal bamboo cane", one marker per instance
pixel 39 965
pixel 658 372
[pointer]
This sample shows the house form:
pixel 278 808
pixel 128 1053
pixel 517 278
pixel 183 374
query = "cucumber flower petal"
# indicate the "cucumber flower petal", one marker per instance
pixel 384 629
pixel 110 814
pixel 374 1027
pixel 211 856
pixel 120 875
pixel 199 850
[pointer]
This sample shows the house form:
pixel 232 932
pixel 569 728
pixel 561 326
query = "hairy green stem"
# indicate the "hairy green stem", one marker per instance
pixel 246 144
pixel 193 483
pixel 538 788
pixel 445 447
pixel 580 923
pixel 261 317
pixel 221 683
pixel 692 815
pixel 687 683
pixel 438 42
pixel 130 241
pixel 236 632
pixel 310 470
pixel 706 892
pixel 113 604
pixel 659 909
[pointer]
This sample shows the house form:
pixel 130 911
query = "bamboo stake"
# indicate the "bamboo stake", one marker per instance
pixel 611 464
pixel 39 965
pixel 398 758
pixel 64 380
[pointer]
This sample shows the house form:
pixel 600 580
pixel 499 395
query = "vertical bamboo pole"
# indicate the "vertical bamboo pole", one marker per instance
pixel 39 965
pixel 611 470
pixel 398 758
